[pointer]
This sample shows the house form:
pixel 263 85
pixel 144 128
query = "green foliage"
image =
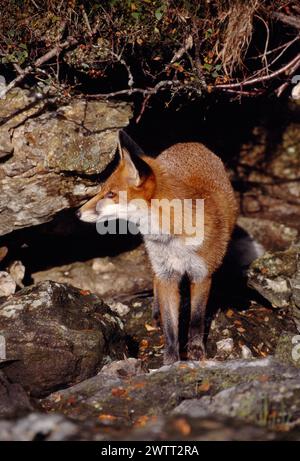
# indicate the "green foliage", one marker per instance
pixel 145 34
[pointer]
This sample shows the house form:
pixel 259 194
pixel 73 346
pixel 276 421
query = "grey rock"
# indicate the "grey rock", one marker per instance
pixel 276 276
pixel 263 403
pixel 42 140
pixel 109 277
pixel 288 348
pixel 212 428
pixel 38 426
pixel 124 368
pixel 273 236
pixel 13 399
pixel 127 399
pixel 270 165
pixel 7 284
pixel 58 335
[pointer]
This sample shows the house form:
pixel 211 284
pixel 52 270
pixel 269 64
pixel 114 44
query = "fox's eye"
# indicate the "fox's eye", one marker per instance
pixel 110 194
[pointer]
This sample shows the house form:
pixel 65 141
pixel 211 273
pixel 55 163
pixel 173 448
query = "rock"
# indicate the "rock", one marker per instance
pixel 2 86
pixel 273 236
pixel 59 335
pixel 224 347
pixel 47 144
pixel 7 284
pixel 109 277
pixel 55 427
pixel 119 308
pixel 125 401
pixel 288 348
pixel 124 368
pixel 276 276
pixel 17 272
pixel 14 401
pixel 265 403
pixel 38 427
pixel 269 164
pixel 246 352
pixel 214 428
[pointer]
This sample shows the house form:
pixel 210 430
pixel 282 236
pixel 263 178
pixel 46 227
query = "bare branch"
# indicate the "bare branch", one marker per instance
pixel 282 70
pixel 86 20
pixel 40 61
pixel 188 43
pixel 286 19
pixel 163 85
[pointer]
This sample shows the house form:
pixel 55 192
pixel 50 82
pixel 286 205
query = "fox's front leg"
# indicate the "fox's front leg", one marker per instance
pixel 168 297
pixel 155 305
pixel 199 298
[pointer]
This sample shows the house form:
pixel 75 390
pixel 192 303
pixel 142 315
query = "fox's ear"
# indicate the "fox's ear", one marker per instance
pixel 137 170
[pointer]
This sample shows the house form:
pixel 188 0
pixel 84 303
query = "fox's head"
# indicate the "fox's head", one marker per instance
pixel 133 179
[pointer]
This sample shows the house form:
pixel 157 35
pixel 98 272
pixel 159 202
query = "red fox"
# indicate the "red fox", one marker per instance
pixel 183 171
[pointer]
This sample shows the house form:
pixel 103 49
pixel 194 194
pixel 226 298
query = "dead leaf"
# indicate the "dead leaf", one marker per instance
pixel 144 344
pixel 141 421
pixel 182 426
pixel 150 327
pixel 107 418
pixel 204 387
pixel 118 392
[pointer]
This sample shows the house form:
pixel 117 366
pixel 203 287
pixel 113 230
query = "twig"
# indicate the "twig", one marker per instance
pixel 286 19
pixel 144 105
pixel 264 55
pixel 188 43
pixel 284 45
pixel 40 61
pixel 164 84
pixel 284 86
pixel 56 50
pixel 124 63
pixel 86 20
pixel 282 70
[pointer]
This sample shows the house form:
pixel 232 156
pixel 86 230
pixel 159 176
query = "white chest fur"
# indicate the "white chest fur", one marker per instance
pixel 171 257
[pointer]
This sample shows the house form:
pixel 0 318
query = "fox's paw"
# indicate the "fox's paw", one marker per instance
pixel 170 357
pixel 156 322
pixel 196 349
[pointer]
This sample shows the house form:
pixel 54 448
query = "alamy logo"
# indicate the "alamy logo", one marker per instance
pixel 159 217
pixel 2 348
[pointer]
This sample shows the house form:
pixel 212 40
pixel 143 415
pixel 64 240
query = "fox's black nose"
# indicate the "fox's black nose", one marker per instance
pixel 78 214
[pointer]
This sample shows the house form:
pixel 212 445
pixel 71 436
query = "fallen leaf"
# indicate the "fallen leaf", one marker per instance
pixel 204 387
pixel 118 392
pixel 229 313
pixel 139 385
pixel 150 327
pixel 144 344
pixel 107 418
pixel 182 426
pixel 141 421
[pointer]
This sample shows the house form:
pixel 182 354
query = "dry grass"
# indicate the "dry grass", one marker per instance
pixel 237 20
